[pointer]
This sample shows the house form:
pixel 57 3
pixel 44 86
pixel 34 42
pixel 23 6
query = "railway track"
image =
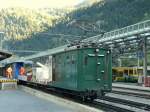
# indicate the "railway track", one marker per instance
pixel 117 107
pixel 106 103
pixel 136 105
pixel 132 92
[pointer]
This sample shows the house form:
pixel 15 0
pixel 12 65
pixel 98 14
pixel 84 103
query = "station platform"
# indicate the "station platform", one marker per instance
pixel 26 99
pixel 20 101
pixel 130 86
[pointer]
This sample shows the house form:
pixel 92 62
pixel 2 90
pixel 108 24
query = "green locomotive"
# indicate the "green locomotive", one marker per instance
pixel 83 71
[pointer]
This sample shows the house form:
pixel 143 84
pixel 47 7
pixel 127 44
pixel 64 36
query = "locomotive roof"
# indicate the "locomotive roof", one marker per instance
pixel 55 51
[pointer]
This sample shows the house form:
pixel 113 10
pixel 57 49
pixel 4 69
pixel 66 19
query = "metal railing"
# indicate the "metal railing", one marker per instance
pixel 135 29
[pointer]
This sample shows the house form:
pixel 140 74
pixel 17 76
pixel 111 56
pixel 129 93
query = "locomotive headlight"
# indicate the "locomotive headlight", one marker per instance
pixel 97 50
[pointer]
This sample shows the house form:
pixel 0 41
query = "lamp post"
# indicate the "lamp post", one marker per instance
pixel 1 39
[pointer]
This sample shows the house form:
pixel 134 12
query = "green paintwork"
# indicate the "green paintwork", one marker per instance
pixel 82 69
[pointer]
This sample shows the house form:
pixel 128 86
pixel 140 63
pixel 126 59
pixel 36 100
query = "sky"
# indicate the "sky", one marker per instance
pixel 38 3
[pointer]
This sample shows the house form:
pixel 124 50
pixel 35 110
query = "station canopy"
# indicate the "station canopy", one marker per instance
pixel 4 55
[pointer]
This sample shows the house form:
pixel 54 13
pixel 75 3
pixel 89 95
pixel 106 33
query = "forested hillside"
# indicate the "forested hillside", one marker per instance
pixel 86 21
pixel 20 23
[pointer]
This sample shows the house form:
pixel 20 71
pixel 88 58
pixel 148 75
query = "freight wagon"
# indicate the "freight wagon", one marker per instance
pixel 82 71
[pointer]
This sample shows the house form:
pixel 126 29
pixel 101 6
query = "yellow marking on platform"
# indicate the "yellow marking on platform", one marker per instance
pixel 8 80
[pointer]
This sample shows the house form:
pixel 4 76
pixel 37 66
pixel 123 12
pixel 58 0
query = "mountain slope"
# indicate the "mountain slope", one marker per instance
pixel 18 23
pixel 88 21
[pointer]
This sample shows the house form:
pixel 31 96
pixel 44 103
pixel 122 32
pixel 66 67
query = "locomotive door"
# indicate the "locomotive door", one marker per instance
pixel 94 65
